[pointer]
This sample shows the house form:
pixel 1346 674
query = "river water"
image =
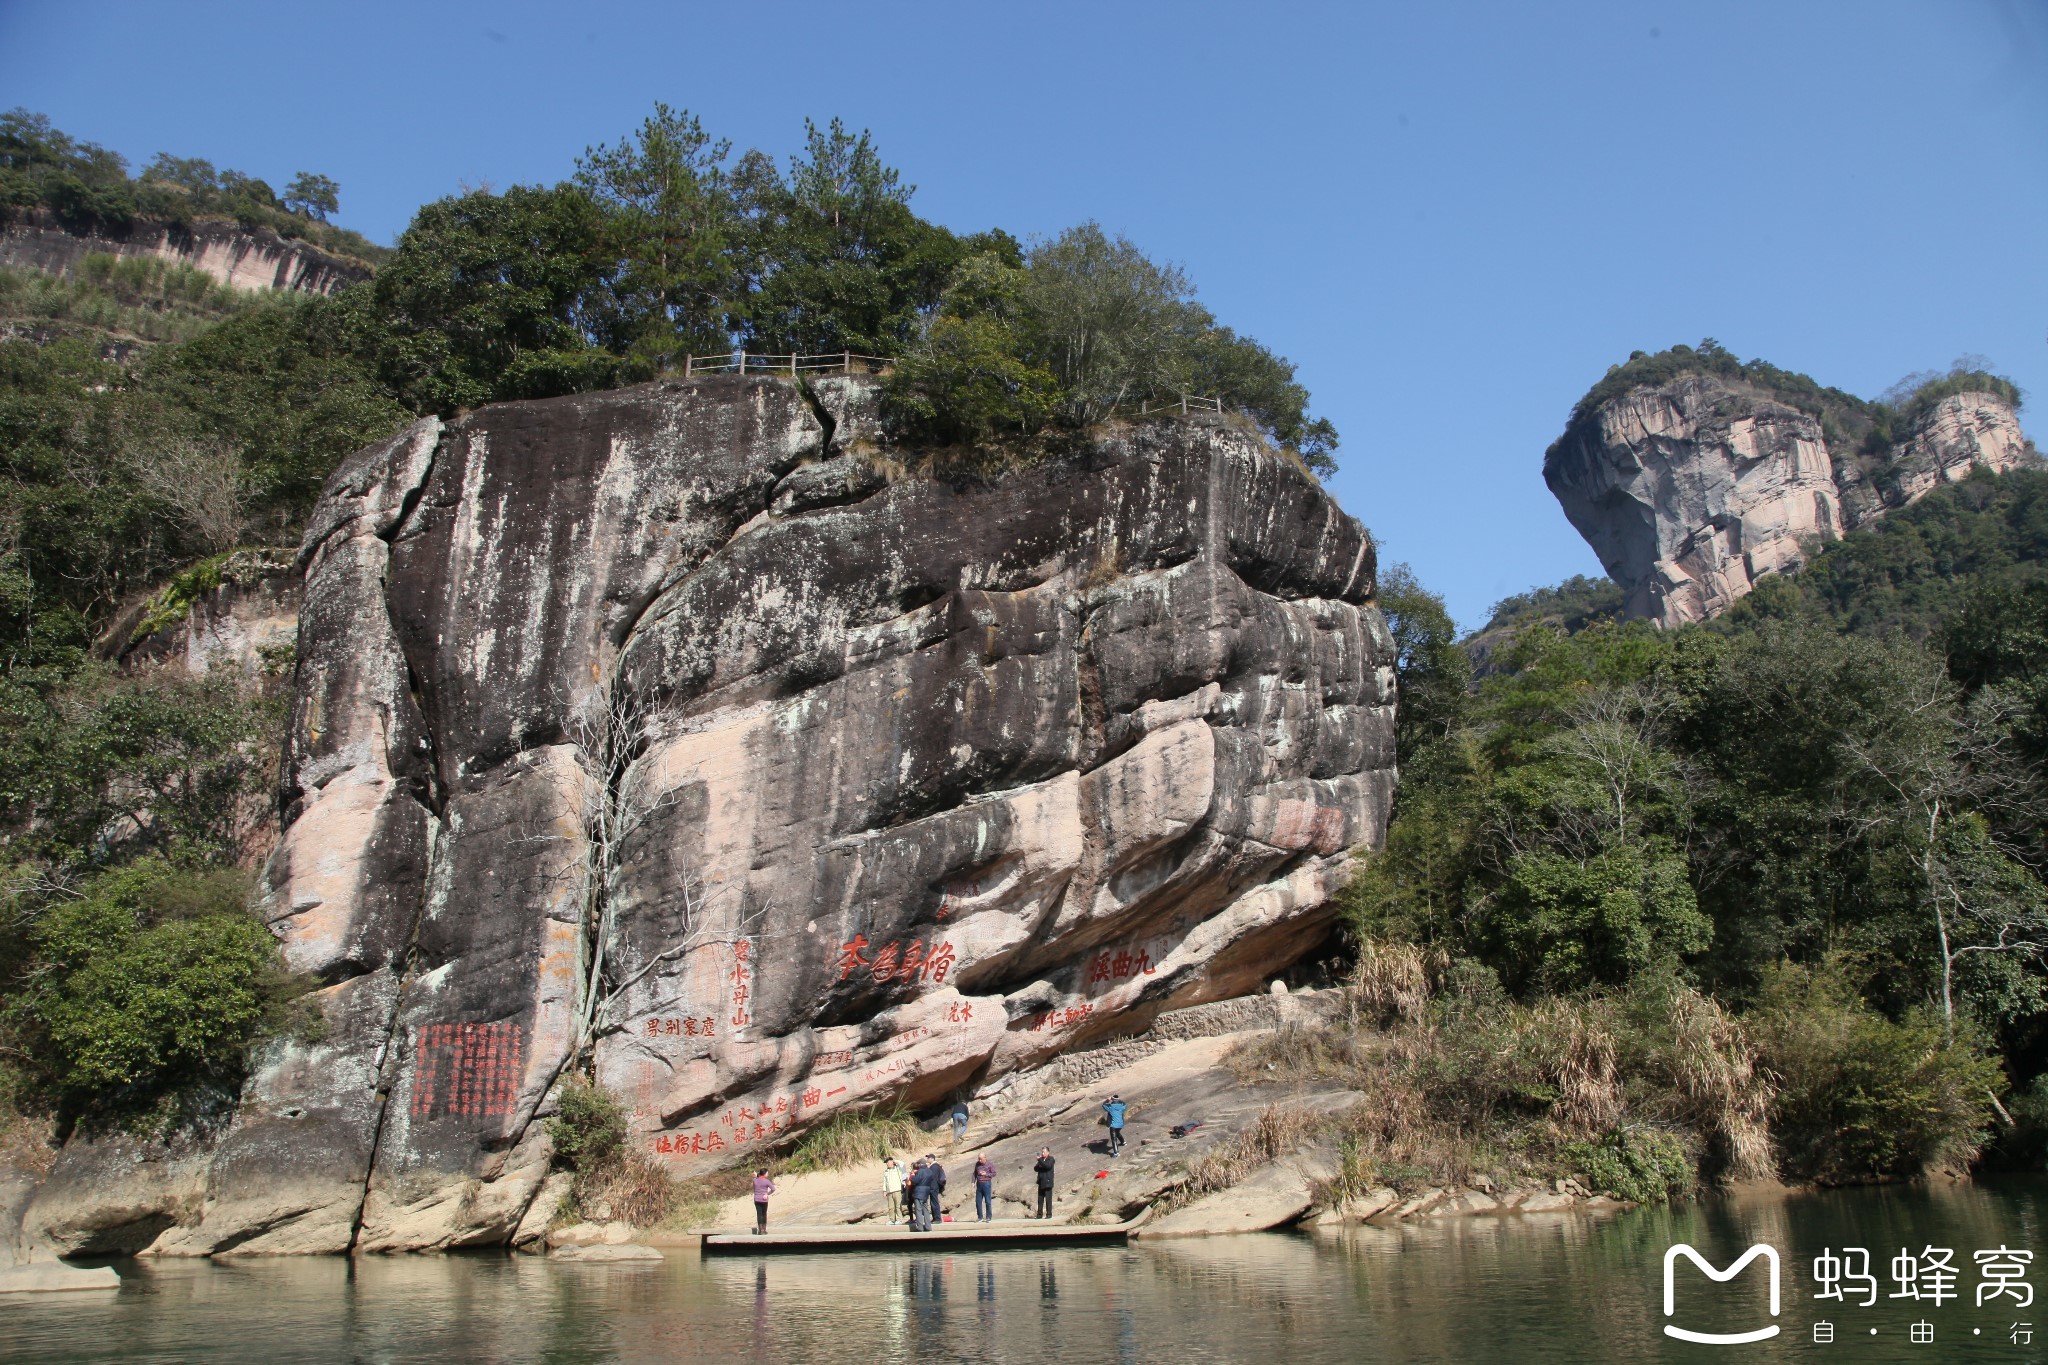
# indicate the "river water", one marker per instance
pixel 1547 1287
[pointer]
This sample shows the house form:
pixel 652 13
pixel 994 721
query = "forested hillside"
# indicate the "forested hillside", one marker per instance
pixel 661 245
pixel 1824 810
pixel 88 187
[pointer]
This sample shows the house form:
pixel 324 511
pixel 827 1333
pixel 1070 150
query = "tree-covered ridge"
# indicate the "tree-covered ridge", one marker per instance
pixel 112 477
pixel 1853 426
pixel 663 244
pixel 1827 833
pixel 1824 808
pixel 1920 568
pixel 1572 605
pixel 88 186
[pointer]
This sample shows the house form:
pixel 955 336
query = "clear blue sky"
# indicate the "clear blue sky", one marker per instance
pixel 1453 216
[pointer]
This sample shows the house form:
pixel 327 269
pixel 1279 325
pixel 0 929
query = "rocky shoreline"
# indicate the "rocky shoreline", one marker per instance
pixel 1173 1074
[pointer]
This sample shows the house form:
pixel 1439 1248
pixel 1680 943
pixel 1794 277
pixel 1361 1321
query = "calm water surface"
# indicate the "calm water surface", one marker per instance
pixel 1533 1288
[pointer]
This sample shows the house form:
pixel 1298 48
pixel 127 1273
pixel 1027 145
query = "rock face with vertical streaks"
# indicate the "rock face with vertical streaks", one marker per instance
pixel 671 724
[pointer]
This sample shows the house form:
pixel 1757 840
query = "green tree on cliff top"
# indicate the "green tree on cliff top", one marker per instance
pixel 669 219
pixel 835 258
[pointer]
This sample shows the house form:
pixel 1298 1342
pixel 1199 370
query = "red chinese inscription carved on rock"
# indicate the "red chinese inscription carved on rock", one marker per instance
pixel 468 1070
pixel 896 961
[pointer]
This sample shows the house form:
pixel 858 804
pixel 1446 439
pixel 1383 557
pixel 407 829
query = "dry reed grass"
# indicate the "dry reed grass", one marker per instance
pixel 628 1188
pixel 1723 1090
pixel 27 1143
pixel 1281 1130
pixel 1393 982
pixel 1297 1052
pixel 854 1138
pixel 1457 1079
pixel 1568 1045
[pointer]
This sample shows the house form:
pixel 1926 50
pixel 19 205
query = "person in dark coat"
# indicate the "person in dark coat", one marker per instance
pixel 920 1191
pixel 937 1189
pixel 914 1192
pixel 1044 1168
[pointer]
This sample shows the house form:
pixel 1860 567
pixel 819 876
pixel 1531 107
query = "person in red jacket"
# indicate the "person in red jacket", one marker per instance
pixel 984 1190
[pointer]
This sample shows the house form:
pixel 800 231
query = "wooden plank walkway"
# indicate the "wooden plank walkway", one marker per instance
pixel 1003 1232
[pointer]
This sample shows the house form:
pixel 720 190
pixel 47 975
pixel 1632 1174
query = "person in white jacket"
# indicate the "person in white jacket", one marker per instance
pixel 892 1187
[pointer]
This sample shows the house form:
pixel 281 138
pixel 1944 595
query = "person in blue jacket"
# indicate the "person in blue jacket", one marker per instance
pixel 1114 1106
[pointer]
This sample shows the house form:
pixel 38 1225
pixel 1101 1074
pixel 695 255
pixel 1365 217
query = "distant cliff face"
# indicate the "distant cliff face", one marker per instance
pixel 1692 490
pixel 844 787
pixel 243 258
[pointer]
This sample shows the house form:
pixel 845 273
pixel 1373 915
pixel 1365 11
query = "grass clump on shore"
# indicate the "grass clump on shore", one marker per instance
pixel 1281 1130
pixel 1642 1165
pixel 1863 1097
pixel 853 1139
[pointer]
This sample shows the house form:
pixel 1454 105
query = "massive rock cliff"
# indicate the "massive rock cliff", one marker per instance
pixel 1693 489
pixel 842 785
pixel 255 259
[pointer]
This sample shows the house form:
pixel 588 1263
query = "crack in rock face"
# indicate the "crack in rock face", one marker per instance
pixel 1693 490
pixel 859 788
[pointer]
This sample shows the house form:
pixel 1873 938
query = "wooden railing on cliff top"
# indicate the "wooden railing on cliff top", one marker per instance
pixel 1181 403
pixel 741 362
pixel 844 362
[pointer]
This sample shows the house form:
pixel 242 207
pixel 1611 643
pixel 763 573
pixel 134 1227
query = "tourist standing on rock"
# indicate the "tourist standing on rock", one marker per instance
pixel 1044 1168
pixel 984 1190
pixel 763 1187
pixel 1114 1106
pixel 959 1121
pixel 892 1187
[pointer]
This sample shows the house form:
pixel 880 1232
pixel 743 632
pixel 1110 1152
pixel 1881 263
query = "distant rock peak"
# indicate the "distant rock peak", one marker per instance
pixel 1693 488
pixel 253 260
